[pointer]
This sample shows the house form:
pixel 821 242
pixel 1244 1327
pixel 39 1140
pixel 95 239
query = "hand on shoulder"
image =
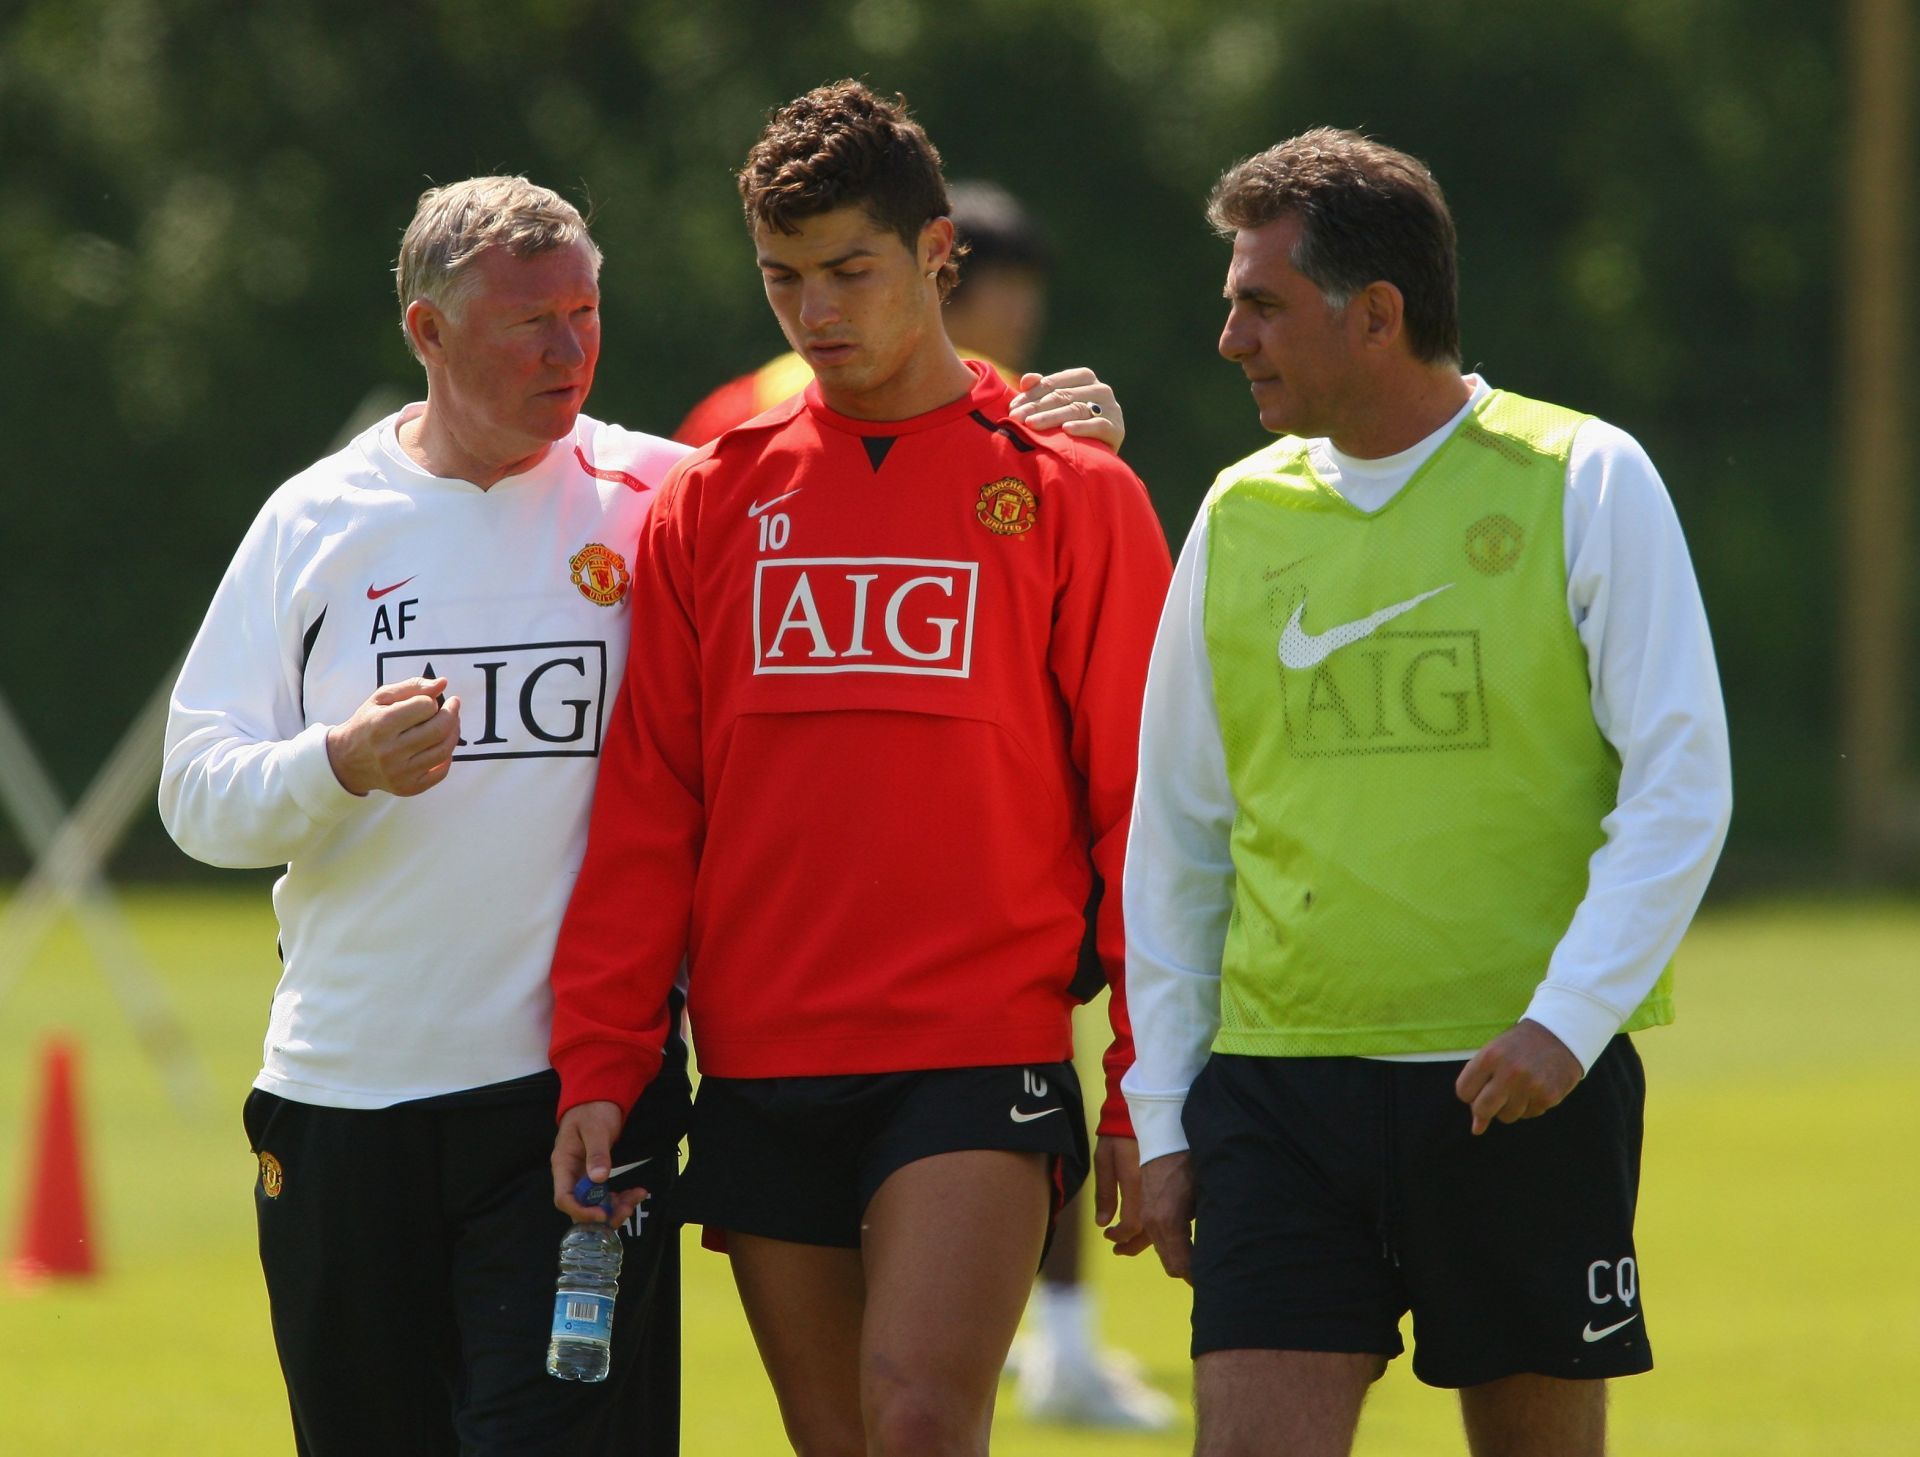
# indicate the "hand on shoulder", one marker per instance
pixel 1075 401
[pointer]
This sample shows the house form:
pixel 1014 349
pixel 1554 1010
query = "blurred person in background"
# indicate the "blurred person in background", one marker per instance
pixel 994 314
pixel 399 694
pixel 876 742
pixel 1433 774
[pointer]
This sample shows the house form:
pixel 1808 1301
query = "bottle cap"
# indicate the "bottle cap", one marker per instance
pixel 585 1191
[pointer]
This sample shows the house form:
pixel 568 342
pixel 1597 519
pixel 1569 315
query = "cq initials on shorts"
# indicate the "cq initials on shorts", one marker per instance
pixel 1623 1276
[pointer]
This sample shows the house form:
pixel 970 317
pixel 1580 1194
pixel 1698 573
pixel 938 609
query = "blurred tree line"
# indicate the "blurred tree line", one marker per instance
pixel 200 201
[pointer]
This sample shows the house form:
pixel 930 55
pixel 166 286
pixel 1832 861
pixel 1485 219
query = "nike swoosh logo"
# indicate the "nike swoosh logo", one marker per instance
pixel 1018 1117
pixel 759 506
pixel 1590 1334
pixel 374 594
pixel 1301 650
pixel 628 1168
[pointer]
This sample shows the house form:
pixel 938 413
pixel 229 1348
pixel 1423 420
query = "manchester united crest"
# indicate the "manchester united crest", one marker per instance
pixel 271 1177
pixel 600 573
pixel 1006 507
pixel 1493 544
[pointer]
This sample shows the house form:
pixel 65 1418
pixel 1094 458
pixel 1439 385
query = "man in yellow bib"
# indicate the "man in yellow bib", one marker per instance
pixel 1433 773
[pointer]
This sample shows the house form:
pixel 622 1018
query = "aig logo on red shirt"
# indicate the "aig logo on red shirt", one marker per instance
pixel 863 615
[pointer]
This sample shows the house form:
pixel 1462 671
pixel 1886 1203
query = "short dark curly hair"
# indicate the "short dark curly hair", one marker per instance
pixel 1368 214
pixel 841 144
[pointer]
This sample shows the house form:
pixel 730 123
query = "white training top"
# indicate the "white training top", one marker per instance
pixel 1656 697
pixel 416 932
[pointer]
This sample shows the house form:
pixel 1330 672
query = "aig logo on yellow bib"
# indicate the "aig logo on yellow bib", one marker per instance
pixel 1356 688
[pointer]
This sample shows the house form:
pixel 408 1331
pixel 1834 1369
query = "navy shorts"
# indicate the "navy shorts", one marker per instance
pixel 800 1158
pixel 1334 1194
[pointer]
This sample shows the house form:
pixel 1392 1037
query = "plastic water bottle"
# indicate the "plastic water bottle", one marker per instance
pixel 582 1342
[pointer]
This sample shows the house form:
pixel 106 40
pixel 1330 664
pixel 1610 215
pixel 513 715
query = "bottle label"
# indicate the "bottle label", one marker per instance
pixel 582 1316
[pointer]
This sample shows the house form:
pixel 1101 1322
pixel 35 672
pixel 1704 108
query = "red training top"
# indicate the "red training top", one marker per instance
pixel 876 737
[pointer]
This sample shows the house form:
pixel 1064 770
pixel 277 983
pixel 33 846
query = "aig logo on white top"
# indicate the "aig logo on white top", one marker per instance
pixel 864 615
pixel 517 700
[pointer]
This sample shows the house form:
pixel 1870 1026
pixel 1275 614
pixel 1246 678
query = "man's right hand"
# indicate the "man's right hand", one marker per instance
pixel 1166 1199
pixel 400 740
pixel 584 1148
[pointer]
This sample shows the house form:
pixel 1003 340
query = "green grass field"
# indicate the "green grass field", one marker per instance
pixel 1776 1233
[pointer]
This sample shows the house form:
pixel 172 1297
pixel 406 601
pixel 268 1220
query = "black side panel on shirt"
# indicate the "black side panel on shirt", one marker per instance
pixel 1089 975
pixel 306 652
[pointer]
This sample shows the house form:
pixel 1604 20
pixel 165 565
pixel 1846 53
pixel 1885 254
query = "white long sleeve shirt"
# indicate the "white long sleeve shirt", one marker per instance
pixel 1655 692
pixel 416 932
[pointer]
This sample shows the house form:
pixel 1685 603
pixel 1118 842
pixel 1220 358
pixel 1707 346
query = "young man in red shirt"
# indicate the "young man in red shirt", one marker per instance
pixel 874 754
pixel 994 314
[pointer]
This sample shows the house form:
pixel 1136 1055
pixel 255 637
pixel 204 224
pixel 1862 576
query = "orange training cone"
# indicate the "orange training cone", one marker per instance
pixel 54 1239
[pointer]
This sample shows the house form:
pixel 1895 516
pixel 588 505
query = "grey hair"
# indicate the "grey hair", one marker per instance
pixel 1368 213
pixel 455 224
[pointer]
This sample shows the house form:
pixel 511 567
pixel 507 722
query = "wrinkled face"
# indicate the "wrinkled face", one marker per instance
pixel 855 302
pixel 1299 356
pixel 512 361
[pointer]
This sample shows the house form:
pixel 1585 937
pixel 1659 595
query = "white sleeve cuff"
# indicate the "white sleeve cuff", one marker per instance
pixel 1585 1025
pixel 1156 1124
pixel 311 780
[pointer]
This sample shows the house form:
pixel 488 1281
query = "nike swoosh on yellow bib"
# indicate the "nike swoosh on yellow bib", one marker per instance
pixel 1301 650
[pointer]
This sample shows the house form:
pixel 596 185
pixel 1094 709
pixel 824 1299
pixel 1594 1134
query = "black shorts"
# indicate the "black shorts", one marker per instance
pixel 410 1255
pixel 1335 1194
pixel 800 1158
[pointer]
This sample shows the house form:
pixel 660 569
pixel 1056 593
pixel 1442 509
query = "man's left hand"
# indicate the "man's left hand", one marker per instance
pixel 582 1146
pixel 1522 1073
pixel 1116 1194
pixel 1073 400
